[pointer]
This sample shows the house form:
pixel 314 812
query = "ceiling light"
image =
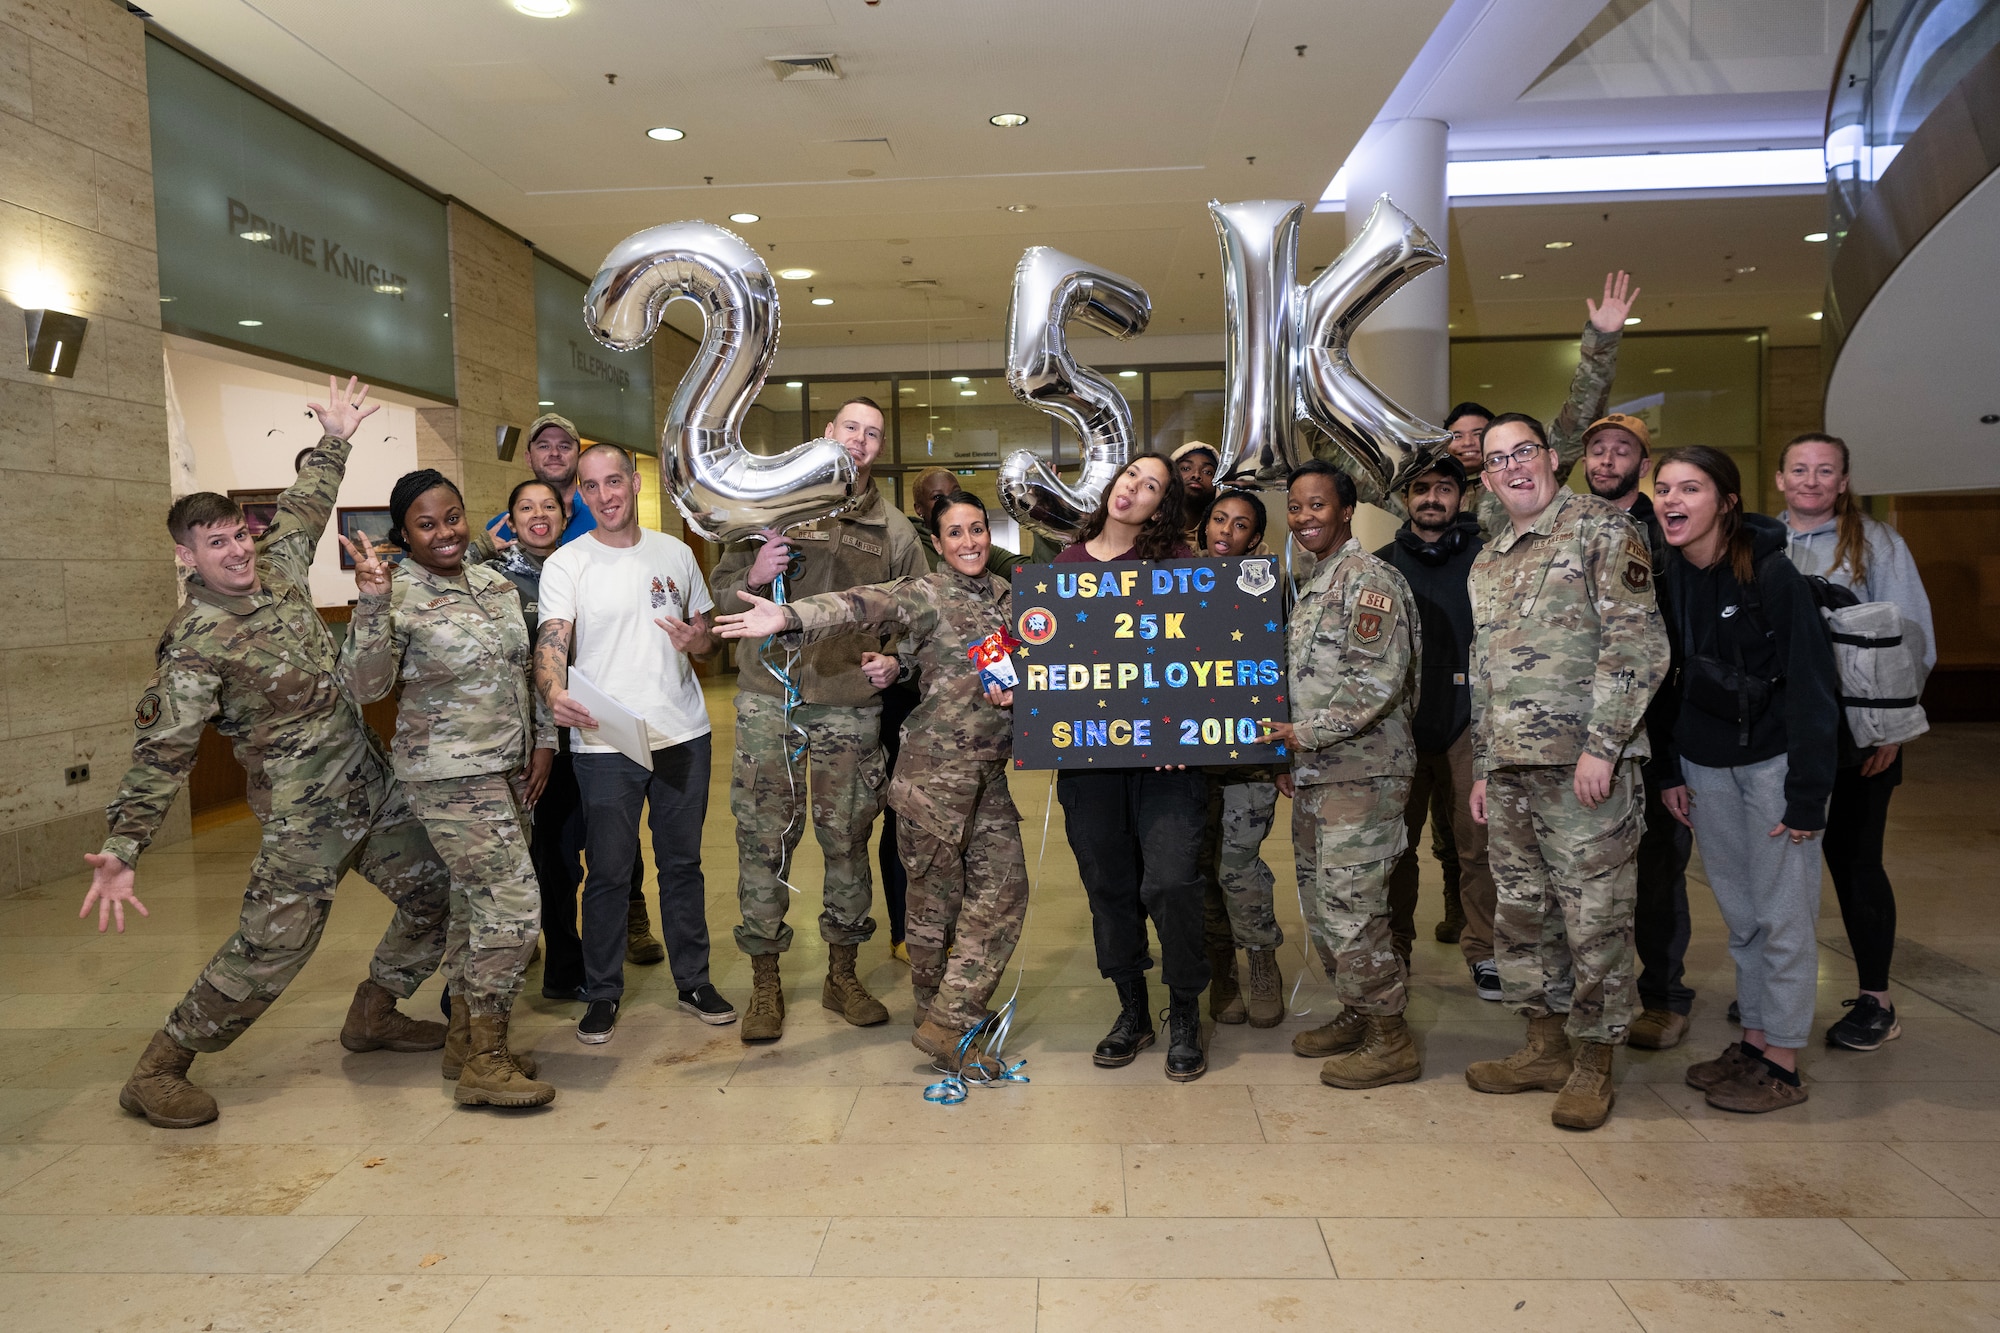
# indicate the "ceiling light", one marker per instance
pixel 1747 268
pixel 1510 277
pixel 1017 208
pixel 795 384
pixel 1631 321
pixel 1557 245
pixel 1815 236
pixel 745 217
pixel 1619 174
pixel 664 133
pixel 907 388
pixel 1816 314
pixel 968 393
pixel 543 9
pixel 1007 120
pixel 255 236
pixel 546 402
pixel 1127 374
pixel 387 289
pixel 1664 370
pixel 822 300
pixel 961 379
pixel 795 274
pixel 258 323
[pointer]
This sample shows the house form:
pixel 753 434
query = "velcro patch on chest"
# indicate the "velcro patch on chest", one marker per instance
pixel 808 535
pixel 872 548
pixel 435 602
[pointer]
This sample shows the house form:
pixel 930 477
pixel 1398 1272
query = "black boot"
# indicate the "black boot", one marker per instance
pixel 1185 1062
pixel 1132 1033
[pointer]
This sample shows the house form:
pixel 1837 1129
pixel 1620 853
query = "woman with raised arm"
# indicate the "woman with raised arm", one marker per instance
pixel 959 835
pixel 473 749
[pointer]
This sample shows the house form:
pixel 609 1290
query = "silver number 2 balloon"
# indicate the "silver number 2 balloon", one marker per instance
pixel 1050 289
pixel 1292 392
pixel 725 492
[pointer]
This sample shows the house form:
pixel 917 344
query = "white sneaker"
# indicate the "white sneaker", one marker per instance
pixel 1486 979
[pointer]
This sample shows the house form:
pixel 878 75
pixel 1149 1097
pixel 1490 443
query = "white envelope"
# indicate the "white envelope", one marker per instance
pixel 617 725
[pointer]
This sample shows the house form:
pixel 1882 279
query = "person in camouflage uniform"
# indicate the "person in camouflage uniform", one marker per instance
pixel 1567 652
pixel 1353 647
pixel 836 715
pixel 249 653
pixel 473 748
pixel 960 834
pixel 1589 391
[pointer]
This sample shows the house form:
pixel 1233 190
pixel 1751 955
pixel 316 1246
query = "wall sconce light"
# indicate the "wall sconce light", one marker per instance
pixel 506 439
pixel 54 339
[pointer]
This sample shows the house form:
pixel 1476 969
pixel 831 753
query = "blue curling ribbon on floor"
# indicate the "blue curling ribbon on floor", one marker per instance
pixel 955 1088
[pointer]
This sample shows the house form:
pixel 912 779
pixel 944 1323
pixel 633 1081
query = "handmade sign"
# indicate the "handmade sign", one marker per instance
pixel 1139 664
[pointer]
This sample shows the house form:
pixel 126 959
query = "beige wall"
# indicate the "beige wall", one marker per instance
pixel 88 581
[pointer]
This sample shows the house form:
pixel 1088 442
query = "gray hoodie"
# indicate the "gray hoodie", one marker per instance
pixel 1892 573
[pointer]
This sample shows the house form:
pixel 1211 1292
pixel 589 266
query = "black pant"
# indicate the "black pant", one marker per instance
pixel 1136 834
pixel 556 847
pixel 675 797
pixel 1856 819
pixel 897 702
pixel 1660 925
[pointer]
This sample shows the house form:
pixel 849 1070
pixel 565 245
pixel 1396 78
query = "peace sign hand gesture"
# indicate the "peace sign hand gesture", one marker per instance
pixel 371 571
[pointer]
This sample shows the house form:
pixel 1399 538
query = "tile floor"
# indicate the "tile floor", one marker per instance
pixel 684 1181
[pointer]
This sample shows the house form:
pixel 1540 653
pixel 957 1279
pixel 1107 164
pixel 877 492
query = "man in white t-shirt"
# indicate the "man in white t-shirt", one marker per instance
pixel 631 606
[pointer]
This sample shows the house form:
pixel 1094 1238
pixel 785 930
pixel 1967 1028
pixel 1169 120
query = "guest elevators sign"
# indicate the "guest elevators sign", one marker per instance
pixel 1140 664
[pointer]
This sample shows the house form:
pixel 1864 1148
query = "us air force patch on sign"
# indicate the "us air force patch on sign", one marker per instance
pixel 1038 625
pixel 1255 577
pixel 149 709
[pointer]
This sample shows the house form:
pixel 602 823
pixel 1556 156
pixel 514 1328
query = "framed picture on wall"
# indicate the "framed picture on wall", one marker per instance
pixel 260 509
pixel 375 522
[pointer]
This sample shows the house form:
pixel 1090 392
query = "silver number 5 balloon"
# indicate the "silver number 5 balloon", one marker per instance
pixel 1292 390
pixel 725 492
pixel 1050 289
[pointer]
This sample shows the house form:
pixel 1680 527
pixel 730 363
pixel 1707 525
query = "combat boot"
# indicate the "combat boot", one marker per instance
pixel 1185 1061
pixel 1345 1033
pixel 458 1044
pixel 940 1043
pixel 844 993
pixel 374 1023
pixel 492 1075
pixel 1453 925
pixel 1225 994
pixel 640 946
pixel 1541 1065
pixel 1267 989
pixel 924 994
pixel 1657 1030
pixel 1386 1056
pixel 1132 1032
pixel 159 1087
pixel 764 1019
pixel 1585 1101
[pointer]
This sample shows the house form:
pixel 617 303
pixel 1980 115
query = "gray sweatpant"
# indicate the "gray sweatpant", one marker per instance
pixel 1768 890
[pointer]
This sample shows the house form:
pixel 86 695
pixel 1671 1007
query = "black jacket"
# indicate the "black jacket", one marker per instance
pixel 1436 572
pixel 1779 637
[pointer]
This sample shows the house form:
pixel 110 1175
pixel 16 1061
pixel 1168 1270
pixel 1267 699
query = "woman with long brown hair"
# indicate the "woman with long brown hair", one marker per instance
pixel 1828 535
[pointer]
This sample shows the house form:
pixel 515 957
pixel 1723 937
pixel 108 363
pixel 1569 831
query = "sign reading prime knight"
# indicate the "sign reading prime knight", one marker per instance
pixel 1140 664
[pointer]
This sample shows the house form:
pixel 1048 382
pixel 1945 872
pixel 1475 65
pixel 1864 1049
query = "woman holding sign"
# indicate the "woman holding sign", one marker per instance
pixel 1354 645
pixel 960 835
pixel 1137 833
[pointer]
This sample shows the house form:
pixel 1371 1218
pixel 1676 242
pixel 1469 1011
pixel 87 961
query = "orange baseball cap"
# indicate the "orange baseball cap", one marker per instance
pixel 1624 422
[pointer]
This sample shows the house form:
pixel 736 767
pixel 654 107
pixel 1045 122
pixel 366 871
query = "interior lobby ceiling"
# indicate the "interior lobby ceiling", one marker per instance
pixel 911 209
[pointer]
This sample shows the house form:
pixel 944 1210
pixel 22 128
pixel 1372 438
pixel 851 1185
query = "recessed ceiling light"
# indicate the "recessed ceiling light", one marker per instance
pixel 745 217
pixel 1664 370
pixel 795 384
pixel 1510 277
pixel 961 379
pixel 1007 120
pixel 1631 321
pixel 546 402
pixel 795 274
pixel 258 323
pixel 387 289
pixel 907 388
pixel 1557 245
pixel 543 9
pixel 1486 386
pixel 1747 268
pixel 1017 208
pixel 1817 314
pixel 1128 374
pixel 255 235
pixel 165 299
pixel 1815 236
pixel 968 393
pixel 822 300
pixel 664 133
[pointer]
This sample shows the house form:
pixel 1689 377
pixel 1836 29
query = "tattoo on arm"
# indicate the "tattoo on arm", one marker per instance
pixel 552 658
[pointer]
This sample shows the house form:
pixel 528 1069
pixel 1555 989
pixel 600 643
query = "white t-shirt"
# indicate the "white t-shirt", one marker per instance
pixel 612 595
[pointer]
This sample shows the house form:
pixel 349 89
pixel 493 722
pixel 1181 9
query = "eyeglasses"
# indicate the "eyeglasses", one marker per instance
pixel 1520 457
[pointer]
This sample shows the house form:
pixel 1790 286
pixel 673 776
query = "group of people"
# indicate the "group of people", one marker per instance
pixel 1569 687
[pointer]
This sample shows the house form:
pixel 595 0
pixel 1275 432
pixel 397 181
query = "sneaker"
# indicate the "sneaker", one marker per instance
pixel 707 1004
pixel 1866 1026
pixel 598 1020
pixel 1486 979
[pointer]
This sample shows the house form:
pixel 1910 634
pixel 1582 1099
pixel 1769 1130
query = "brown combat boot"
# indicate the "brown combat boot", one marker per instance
pixel 1657 1030
pixel 458 1043
pixel 1541 1065
pixel 764 1018
pixel 640 946
pixel 941 1044
pixel 1453 925
pixel 374 1023
pixel 1386 1056
pixel 844 993
pixel 1225 994
pixel 924 994
pixel 492 1075
pixel 1267 989
pixel 1345 1033
pixel 159 1087
pixel 1585 1101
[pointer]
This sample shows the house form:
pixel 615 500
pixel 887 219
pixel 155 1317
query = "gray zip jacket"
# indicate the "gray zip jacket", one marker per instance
pixel 1892 573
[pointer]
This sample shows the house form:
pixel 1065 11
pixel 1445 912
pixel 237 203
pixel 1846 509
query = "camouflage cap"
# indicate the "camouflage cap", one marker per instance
pixel 553 419
pixel 1625 422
